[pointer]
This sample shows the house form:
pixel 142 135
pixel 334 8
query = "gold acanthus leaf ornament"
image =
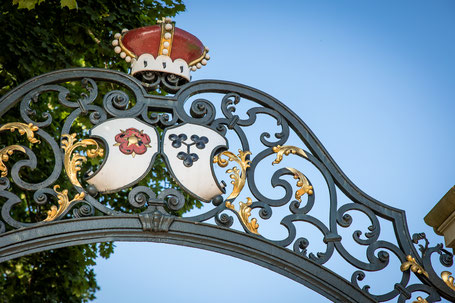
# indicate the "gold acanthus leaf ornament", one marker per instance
pixel 448 279
pixel 4 157
pixel 73 162
pixel 23 128
pixel 420 300
pixel 245 213
pixel 238 177
pixel 302 181
pixel 287 150
pixel 63 203
pixel 7 151
pixel 412 264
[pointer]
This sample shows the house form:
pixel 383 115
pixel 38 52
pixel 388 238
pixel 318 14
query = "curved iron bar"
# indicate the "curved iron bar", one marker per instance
pixel 192 234
pixel 289 256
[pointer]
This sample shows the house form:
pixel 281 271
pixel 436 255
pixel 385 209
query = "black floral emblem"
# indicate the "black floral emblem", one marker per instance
pixel 188 157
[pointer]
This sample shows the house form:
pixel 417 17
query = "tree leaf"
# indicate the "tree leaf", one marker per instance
pixel 71 4
pixel 28 4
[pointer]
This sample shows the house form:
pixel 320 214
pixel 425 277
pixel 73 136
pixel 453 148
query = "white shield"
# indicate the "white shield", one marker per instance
pixel 189 150
pixel 131 146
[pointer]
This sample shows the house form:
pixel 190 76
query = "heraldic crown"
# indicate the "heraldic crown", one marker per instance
pixel 161 48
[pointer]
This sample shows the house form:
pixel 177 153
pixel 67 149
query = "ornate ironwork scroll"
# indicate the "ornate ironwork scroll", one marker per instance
pixel 73 161
pixel 192 134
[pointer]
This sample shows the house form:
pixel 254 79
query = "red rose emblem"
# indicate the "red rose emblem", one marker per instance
pixel 132 141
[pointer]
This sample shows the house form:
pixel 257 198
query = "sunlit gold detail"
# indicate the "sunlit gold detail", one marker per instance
pixel 162 20
pixel 420 300
pixel 127 51
pixel 73 162
pixel 4 157
pixel 412 264
pixel 286 150
pixel 162 40
pixel 238 177
pixel 196 61
pixel 23 128
pixel 448 279
pixel 303 183
pixel 245 213
pixel 63 203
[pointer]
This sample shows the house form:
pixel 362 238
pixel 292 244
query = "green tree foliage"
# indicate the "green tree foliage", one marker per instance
pixel 39 36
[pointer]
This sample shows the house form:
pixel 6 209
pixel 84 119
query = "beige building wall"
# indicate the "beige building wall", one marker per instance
pixel 442 218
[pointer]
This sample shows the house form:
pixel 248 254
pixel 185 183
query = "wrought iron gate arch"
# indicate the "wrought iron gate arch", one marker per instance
pixel 157 225
pixel 191 234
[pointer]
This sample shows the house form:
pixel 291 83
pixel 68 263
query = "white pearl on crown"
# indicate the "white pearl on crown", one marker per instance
pixel 128 59
pixel 117 49
pixel 167 36
pixel 204 62
pixel 115 42
pixel 166 44
pixel 124 30
pixel 117 35
pixel 165 51
pixel 168 27
pixel 122 55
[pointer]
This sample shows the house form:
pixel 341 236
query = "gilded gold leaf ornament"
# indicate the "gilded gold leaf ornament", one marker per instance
pixel 302 181
pixel 412 264
pixel 448 279
pixel 22 128
pixel 63 203
pixel 4 157
pixel 73 162
pixel 245 213
pixel 287 150
pixel 238 177
pixel 420 300
pixel 7 151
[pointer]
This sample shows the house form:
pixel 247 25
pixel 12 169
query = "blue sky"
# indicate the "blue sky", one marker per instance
pixel 374 80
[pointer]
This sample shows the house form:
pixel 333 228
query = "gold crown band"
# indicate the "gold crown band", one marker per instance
pixel 127 51
pixel 194 62
pixel 166 51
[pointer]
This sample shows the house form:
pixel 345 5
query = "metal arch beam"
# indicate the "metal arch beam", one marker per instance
pixel 193 234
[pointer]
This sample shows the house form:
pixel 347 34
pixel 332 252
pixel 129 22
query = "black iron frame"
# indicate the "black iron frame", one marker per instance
pixel 157 225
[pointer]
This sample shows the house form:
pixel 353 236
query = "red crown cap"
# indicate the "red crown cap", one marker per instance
pixel 163 48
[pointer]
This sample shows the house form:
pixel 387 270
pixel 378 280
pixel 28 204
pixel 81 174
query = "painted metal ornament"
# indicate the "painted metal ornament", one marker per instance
pixel 131 146
pixel 132 141
pixel 189 150
pixel 163 49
